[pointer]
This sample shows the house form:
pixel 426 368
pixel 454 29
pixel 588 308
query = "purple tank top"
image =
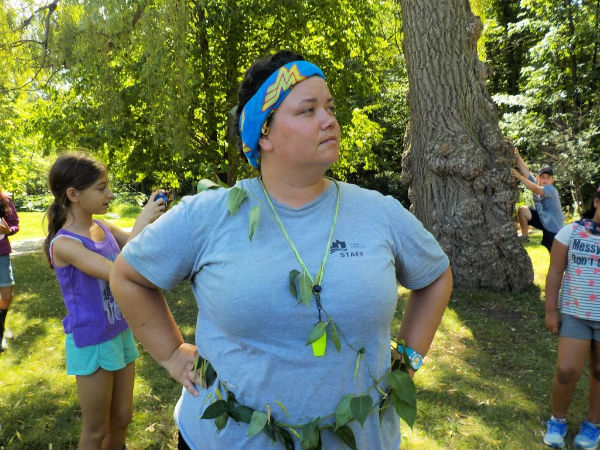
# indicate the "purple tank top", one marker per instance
pixel 93 316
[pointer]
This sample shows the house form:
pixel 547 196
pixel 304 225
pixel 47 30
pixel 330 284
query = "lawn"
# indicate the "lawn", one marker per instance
pixel 485 382
pixel 33 224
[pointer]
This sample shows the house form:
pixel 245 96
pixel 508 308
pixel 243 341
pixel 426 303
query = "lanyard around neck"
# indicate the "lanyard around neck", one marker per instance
pixel 317 280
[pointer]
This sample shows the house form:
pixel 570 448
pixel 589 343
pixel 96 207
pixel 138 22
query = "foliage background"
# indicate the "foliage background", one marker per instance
pixel 148 86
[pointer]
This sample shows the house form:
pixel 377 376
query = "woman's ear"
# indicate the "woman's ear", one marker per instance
pixel 265 144
pixel 72 194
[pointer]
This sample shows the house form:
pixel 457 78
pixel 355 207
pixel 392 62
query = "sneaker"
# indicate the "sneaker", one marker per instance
pixel 8 334
pixel 3 346
pixel 588 436
pixel 523 238
pixel 555 433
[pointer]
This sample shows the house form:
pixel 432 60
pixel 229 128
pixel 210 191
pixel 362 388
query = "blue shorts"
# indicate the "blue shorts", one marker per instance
pixel 574 327
pixel 6 272
pixel 112 355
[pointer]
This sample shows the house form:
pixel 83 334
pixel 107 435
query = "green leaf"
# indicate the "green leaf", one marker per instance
pixel 359 356
pixel 342 412
pixel 335 338
pixel 360 407
pixel 317 331
pixel 403 386
pixel 221 421
pixel 253 218
pixel 214 410
pixel 257 422
pixel 404 396
pixel 306 293
pixel 235 198
pixel 282 408
pixel 209 373
pixel 346 435
pixel 294 432
pixel 205 185
pixel 285 437
pixel 293 279
pixel 269 430
pixel 407 412
pixel 241 413
pixel 310 435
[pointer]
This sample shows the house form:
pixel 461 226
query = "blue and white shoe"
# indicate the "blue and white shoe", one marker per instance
pixel 588 436
pixel 555 433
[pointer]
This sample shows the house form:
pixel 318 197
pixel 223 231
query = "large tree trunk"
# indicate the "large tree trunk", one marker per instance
pixel 456 161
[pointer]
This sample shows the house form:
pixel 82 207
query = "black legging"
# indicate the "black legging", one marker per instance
pixel 181 444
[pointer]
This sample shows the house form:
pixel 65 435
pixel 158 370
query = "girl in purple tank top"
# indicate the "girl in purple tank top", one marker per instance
pixel 100 350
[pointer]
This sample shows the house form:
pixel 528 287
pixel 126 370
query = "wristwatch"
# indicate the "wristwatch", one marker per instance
pixel 415 359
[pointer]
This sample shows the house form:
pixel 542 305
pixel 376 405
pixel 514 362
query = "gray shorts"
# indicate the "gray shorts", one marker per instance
pixel 573 327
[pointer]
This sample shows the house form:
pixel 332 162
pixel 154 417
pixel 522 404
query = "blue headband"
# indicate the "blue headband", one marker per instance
pixel 267 99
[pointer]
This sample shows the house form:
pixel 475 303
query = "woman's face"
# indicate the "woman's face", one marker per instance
pixel 304 130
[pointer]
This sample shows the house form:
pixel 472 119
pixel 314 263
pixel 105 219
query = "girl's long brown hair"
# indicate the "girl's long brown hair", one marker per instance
pixel 77 170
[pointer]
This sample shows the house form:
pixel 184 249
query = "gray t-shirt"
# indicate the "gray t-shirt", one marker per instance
pixel 548 207
pixel 251 328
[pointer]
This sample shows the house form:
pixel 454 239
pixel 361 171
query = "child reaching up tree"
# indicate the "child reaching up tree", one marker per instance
pixel 575 316
pixel 547 214
pixel 100 350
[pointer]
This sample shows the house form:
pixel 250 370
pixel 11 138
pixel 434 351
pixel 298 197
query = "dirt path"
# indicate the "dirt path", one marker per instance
pixel 26 246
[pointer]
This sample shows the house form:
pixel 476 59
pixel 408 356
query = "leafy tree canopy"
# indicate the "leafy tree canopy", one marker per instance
pixel 149 86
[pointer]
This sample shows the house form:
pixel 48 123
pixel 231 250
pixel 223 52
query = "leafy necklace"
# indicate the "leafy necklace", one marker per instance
pixel 307 285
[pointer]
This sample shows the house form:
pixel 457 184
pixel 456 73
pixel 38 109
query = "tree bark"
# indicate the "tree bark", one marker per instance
pixel 456 161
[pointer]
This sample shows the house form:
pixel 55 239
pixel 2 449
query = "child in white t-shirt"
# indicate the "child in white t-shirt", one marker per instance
pixel 575 316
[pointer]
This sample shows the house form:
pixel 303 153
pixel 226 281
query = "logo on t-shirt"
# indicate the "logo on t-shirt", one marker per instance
pixel 346 250
pixel 111 308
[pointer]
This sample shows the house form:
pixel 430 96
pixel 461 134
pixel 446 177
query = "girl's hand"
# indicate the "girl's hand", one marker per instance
pixel 553 321
pixel 4 227
pixel 152 211
pixel 180 366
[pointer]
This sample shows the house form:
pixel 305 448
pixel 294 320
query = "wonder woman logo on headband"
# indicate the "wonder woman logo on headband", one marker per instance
pixel 285 79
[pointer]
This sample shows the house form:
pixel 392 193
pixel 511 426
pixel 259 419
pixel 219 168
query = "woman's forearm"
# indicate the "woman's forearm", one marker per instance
pixel 424 312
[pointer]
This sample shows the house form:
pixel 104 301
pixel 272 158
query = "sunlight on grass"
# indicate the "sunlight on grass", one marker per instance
pixel 33 225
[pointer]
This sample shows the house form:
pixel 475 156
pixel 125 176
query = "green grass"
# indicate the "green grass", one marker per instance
pixel 33 224
pixel 485 382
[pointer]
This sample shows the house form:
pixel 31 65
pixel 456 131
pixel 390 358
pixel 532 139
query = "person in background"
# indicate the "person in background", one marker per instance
pixel 575 317
pixel 100 350
pixel 9 225
pixel 547 214
pixel 296 285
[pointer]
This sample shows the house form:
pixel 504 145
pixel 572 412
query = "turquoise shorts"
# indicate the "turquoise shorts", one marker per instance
pixel 6 272
pixel 111 355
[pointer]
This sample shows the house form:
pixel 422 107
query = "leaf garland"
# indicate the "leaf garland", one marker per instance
pixel 401 395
